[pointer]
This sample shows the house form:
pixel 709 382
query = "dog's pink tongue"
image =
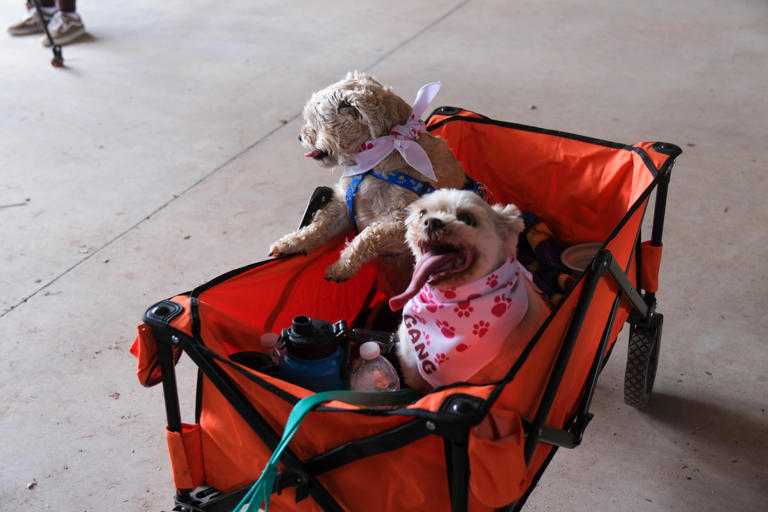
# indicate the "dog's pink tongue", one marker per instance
pixel 430 263
pixel 313 154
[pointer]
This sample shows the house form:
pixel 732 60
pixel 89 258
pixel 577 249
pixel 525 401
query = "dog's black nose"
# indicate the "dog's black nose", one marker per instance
pixel 433 224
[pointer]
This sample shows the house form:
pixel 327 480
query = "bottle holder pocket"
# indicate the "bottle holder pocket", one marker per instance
pixel 498 473
pixel 185 449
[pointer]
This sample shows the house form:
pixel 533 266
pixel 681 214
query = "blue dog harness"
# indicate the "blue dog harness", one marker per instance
pixel 418 187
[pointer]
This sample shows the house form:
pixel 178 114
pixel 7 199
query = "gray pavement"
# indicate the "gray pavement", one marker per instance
pixel 164 154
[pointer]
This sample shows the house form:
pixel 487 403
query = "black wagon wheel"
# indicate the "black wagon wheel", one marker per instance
pixel 642 361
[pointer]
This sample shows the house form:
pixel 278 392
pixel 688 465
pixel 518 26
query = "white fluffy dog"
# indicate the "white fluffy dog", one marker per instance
pixel 471 307
pixel 361 125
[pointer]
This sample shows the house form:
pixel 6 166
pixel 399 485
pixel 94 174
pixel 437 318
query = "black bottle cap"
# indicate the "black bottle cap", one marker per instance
pixel 310 339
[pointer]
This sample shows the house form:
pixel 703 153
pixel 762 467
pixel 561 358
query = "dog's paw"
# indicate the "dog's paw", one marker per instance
pixel 289 244
pixel 339 272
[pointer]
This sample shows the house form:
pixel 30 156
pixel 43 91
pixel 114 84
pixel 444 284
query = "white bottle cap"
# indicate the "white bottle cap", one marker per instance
pixel 269 339
pixel 370 350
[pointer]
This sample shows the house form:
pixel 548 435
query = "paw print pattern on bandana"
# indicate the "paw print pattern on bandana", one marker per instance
pixel 501 304
pixel 480 329
pixel 458 339
pixel 449 293
pixel 464 308
pixel 429 300
pixel 447 329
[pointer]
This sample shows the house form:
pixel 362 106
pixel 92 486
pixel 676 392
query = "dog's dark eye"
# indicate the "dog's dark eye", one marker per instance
pixel 422 213
pixel 466 218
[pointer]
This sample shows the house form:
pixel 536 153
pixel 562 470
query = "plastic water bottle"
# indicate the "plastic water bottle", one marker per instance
pixel 269 342
pixel 373 372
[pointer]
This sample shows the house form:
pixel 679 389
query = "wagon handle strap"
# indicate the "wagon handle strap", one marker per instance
pixel 260 492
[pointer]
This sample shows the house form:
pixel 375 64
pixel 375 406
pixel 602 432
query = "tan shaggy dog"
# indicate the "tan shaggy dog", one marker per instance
pixel 339 120
pixel 470 308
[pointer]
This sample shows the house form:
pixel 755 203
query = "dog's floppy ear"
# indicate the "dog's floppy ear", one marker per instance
pixel 509 218
pixel 397 110
pixel 345 108
pixel 380 108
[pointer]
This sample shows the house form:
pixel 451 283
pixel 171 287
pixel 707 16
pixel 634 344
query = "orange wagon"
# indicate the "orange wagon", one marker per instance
pixel 425 455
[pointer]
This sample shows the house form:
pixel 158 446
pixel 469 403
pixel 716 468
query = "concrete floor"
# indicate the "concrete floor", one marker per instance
pixel 164 154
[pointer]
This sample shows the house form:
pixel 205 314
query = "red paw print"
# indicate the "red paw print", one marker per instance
pixel 447 329
pixel 429 300
pixel 492 281
pixel 449 293
pixel 464 308
pixel 462 312
pixel 440 358
pixel 501 306
pixel 480 329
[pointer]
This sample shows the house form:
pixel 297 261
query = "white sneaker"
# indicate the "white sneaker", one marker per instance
pixel 64 27
pixel 31 23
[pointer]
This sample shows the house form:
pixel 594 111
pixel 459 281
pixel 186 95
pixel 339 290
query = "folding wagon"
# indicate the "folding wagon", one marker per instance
pixel 425 455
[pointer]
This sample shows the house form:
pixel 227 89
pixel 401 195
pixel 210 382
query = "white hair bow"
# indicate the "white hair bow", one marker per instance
pixel 402 138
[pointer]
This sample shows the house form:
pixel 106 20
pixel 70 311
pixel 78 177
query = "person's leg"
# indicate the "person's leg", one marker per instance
pixel 67 25
pixel 31 22
pixel 67 5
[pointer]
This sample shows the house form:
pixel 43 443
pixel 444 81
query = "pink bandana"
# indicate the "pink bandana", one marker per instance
pixel 402 138
pixel 457 331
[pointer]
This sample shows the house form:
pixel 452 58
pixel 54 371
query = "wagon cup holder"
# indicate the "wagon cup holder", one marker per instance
pixel 667 148
pixel 465 406
pixel 447 111
pixel 162 313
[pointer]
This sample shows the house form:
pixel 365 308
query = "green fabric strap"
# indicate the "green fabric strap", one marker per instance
pixel 261 491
